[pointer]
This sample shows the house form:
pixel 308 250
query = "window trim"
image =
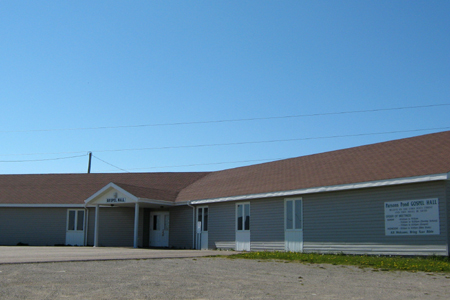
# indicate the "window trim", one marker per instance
pixel 75 221
pixel 201 214
pixel 243 219
pixel 294 205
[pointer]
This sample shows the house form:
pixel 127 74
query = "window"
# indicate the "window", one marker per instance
pixel 155 222
pixel 243 216
pixel 205 219
pixel 293 214
pixel 202 218
pixel 75 220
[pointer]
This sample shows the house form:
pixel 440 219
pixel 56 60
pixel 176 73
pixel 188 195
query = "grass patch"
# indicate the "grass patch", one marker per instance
pixel 413 264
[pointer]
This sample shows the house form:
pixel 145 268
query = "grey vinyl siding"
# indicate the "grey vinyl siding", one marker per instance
pixel 91 226
pixel 353 221
pixel 108 227
pixel 140 228
pixel 145 228
pixel 181 227
pixel 447 196
pixel 221 231
pixel 267 224
pixel 116 227
pixel 33 226
pixel 347 221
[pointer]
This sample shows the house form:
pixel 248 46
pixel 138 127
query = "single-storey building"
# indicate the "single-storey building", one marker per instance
pixel 385 198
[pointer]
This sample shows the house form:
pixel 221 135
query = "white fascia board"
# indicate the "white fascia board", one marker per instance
pixel 43 205
pixel 105 188
pixel 151 201
pixel 183 203
pixel 333 188
pixel 139 200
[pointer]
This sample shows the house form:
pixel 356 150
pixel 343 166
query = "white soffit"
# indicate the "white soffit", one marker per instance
pixel 333 188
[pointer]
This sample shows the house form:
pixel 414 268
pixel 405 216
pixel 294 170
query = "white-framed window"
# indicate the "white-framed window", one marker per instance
pixel 243 216
pixel 156 222
pixel 202 218
pixel 293 214
pixel 75 220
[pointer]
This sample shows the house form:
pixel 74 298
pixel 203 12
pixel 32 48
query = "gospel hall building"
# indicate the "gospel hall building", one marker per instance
pixel 385 198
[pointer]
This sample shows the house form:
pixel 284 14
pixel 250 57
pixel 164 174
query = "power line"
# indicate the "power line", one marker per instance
pixel 42 153
pixel 227 120
pixel 110 164
pixel 271 141
pixel 35 160
pixel 273 159
pixel 207 164
pixel 246 143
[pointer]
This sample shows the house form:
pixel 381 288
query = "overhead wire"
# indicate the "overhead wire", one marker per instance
pixel 216 144
pixel 36 160
pixel 243 143
pixel 208 164
pixel 271 141
pixel 110 164
pixel 227 120
pixel 273 159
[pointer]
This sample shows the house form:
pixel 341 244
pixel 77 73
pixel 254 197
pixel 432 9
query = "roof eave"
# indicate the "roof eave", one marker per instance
pixel 321 189
pixel 54 205
pixel 154 201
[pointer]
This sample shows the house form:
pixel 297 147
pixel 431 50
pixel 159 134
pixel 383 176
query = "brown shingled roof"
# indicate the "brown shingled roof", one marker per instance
pixel 75 188
pixel 149 193
pixel 416 156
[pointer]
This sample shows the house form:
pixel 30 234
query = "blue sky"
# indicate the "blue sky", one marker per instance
pixel 144 84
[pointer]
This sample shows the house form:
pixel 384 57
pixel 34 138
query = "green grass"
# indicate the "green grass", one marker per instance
pixel 382 263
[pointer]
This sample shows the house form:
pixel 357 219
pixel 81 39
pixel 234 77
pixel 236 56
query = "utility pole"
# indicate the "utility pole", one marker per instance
pixel 89 163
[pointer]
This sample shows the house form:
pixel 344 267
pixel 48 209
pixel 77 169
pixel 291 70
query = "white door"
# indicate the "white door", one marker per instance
pixel 159 229
pixel 202 228
pixel 75 227
pixel 243 227
pixel 293 224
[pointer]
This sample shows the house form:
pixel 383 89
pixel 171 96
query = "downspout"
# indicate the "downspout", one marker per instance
pixel 193 224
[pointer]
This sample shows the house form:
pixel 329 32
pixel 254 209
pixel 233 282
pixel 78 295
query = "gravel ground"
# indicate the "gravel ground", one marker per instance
pixel 212 278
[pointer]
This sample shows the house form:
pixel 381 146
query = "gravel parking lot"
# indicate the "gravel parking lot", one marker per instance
pixel 212 278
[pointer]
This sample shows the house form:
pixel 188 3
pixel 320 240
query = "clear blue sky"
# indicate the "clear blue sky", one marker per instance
pixel 76 76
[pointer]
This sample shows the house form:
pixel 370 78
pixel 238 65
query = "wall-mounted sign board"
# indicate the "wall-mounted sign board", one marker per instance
pixel 115 200
pixel 414 217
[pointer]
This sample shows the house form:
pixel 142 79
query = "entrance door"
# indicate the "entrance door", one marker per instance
pixel 293 221
pixel 159 229
pixel 202 228
pixel 75 227
pixel 243 227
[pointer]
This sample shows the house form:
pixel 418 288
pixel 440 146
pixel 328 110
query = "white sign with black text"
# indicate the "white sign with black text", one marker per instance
pixel 414 217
